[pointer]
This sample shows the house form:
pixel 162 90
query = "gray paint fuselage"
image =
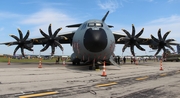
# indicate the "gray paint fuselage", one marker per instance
pixel 93 40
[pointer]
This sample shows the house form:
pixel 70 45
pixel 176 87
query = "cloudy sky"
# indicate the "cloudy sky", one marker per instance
pixel 35 14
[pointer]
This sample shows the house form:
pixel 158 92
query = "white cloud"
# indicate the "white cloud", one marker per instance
pixel 166 24
pixel 171 23
pixel 44 17
pixel 8 15
pixel 171 19
pixel 111 5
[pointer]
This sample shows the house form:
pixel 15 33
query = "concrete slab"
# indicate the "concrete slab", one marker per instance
pixel 78 82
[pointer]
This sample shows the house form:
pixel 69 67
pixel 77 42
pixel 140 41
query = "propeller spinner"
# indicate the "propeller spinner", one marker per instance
pixel 21 42
pixel 52 40
pixel 162 42
pixel 131 40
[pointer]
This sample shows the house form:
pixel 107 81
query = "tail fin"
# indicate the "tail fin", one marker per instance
pixel 104 18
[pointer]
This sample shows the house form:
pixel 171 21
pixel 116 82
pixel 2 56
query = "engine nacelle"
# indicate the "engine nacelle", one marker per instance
pixel 153 47
pixel 30 45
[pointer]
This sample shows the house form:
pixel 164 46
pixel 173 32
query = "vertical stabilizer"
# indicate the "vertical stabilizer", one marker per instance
pixel 104 18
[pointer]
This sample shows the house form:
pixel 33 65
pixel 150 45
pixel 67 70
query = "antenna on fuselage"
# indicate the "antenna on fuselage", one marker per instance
pixel 104 18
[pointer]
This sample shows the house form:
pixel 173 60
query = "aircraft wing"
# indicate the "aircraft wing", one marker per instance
pixel 43 40
pixel 68 35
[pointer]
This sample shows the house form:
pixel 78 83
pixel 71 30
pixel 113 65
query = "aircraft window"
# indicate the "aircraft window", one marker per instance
pixel 98 25
pixel 91 24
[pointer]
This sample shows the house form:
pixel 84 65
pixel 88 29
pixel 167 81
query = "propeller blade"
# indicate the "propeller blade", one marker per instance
pixel 139 47
pixel 139 34
pixel 169 40
pixel 125 46
pixel 44 34
pixel 53 49
pixel 165 35
pixel 58 44
pixel 22 51
pixel 56 32
pixel 49 30
pixel 21 42
pixel 132 50
pixel 26 36
pixel 159 49
pixel 133 30
pixel 127 33
pixel 52 40
pixel 155 39
pixel 15 37
pixel 45 48
pixel 15 50
pixel 167 45
pixel 164 49
pixel 20 34
pixel 159 34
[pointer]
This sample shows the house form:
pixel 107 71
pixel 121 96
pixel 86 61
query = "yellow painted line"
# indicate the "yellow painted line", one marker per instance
pixel 38 95
pixel 142 78
pixel 164 74
pixel 108 84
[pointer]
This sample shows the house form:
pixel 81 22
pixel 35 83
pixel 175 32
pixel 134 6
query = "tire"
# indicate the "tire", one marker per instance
pixel 74 63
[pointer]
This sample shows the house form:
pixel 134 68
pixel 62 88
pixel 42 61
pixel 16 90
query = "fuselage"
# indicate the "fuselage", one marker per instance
pixel 93 40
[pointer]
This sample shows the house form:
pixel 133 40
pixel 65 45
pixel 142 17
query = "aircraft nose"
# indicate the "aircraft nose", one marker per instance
pixel 95 40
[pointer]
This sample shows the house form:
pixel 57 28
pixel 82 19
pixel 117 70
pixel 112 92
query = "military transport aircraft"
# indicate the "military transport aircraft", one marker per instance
pixel 93 41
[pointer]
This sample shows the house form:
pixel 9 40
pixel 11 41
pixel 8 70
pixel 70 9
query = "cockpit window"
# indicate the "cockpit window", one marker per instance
pixel 98 25
pixel 91 25
pixel 95 25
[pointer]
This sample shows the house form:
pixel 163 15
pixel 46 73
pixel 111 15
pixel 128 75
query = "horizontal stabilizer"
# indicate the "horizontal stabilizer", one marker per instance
pixel 74 25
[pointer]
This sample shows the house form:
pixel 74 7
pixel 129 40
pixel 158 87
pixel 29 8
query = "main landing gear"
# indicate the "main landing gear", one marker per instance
pixel 94 66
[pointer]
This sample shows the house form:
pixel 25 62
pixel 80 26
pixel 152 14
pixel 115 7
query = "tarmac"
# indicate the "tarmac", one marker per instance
pixel 144 80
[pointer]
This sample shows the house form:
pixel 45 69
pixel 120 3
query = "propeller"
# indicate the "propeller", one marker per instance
pixel 52 40
pixel 162 42
pixel 21 42
pixel 131 40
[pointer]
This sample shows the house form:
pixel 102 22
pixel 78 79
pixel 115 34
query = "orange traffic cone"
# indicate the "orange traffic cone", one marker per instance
pixel 64 62
pixel 161 65
pixel 9 62
pixel 104 71
pixel 40 64
pixel 136 62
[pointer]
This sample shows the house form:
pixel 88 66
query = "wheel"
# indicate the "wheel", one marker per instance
pixel 78 63
pixel 74 63
pixel 97 66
